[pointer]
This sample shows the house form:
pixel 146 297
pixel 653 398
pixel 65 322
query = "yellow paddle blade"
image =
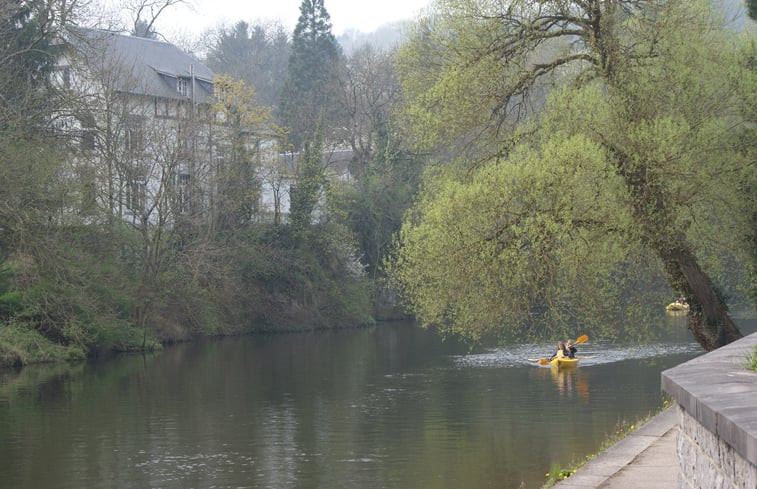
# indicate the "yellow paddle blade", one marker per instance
pixel 543 361
pixel 582 339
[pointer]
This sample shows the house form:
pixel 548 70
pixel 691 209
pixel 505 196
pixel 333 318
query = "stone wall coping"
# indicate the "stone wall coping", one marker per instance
pixel 720 391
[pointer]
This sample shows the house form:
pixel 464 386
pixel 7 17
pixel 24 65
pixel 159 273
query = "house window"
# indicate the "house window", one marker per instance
pixel 181 86
pixel 183 193
pixel 134 136
pixel 135 195
pixel 87 131
pixel 185 147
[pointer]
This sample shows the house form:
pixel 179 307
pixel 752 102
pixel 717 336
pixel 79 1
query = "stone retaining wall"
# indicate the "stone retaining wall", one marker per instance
pixel 717 407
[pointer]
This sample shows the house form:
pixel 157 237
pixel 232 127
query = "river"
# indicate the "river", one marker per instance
pixel 391 406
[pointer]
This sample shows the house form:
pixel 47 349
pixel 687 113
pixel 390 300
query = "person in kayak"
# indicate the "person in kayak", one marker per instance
pixel 562 351
pixel 570 349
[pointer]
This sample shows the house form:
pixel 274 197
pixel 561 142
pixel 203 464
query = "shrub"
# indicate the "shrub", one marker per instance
pixel 22 345
pixel 753 360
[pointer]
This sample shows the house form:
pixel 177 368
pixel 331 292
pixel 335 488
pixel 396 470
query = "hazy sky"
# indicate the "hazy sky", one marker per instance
pixel 363 15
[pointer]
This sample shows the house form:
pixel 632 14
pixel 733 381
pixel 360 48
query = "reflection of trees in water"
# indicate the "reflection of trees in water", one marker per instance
pixel 569 382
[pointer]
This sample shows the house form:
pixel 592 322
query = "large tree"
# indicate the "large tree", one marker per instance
pixel 369 92
pixel 637 165
pixel 27 30
pixel 309 96
pixel 245 140
pixel 29 194
pixel 373 204
pixel 145 13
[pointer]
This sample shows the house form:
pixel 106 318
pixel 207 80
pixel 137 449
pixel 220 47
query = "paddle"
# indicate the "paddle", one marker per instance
pixel 581 339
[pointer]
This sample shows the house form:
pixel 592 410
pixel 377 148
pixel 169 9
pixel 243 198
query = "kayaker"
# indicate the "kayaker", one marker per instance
pixel 571 350
pixel 561 352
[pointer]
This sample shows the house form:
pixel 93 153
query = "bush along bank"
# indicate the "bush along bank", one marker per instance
pixel 68 303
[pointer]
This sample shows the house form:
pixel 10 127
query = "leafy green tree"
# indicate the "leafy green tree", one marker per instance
pixel 47 298
pixel 33 188
pixel 309 95
pixel 244 140
pixel 373 205
pixel 751 6
pixel 623 176
pixel 369 92
pixel 306 191
pixel 384 173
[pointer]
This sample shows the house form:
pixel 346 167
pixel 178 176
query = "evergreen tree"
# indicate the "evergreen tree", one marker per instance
pixel 256 54
pixel 26 59
pixel 26 101
pixel 311 89
pixel 307 190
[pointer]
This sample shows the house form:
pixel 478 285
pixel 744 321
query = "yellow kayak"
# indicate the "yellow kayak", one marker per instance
pixel 677 306
pixel 564 362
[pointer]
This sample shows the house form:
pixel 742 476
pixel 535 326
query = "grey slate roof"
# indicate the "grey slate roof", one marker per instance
pixel 144 66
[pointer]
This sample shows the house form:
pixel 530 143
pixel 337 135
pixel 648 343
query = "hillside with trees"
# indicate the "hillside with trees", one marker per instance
pixel 104 250
pixel 513 171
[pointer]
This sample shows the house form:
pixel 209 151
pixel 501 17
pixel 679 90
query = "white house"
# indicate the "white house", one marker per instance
pixel 275 193
pixel 141 110
pixel 151 145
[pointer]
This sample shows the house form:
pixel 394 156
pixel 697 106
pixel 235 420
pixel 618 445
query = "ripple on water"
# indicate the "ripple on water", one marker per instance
pixel 594 354
pixel 178 467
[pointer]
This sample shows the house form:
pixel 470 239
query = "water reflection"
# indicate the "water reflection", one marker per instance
pixel 569 383
pixel 388 407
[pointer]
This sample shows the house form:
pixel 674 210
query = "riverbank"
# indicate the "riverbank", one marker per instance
pixel 90 292
pixel 706 440
pixel 20 346
pixel 645 458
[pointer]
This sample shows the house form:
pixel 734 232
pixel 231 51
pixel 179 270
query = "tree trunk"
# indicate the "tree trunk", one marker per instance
pixel 707 319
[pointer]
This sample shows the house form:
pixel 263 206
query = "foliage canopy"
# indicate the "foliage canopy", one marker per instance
pixel 608 144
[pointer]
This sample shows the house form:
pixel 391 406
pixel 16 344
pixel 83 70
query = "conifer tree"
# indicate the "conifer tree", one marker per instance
pixel 26 31
pixel 309 93
pixel 256 54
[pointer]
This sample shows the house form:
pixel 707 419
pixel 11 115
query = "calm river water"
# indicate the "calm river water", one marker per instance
pixel 386 407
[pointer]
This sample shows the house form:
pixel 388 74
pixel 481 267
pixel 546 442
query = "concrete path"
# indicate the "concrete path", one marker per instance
pixel 645 458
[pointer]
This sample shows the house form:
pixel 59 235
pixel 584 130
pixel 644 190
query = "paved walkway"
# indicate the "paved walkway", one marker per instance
pixel 645 458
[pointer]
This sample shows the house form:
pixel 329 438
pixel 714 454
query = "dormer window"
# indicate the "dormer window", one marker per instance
pixel 181 85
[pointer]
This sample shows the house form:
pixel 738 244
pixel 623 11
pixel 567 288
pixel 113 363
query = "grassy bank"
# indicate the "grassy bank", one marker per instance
pixel 623 429
pixel 22 346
